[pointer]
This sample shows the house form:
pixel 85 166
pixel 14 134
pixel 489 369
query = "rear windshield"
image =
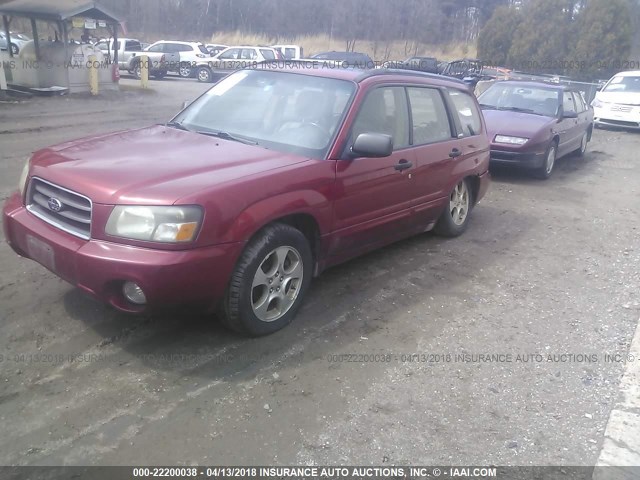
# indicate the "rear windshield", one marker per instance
pixel 203 49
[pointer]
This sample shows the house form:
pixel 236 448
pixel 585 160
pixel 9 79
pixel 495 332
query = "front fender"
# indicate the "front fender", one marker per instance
pixel 260 214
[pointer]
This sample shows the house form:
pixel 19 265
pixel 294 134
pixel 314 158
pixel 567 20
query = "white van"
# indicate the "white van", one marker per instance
pixel 618 103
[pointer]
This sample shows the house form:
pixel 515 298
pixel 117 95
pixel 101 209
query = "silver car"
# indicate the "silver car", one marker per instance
pixel 18 40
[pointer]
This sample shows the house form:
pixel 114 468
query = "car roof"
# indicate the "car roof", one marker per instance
pixel 533 84
pixel 249 46
pixel 359 75
pixel 630 73
pixel 179 42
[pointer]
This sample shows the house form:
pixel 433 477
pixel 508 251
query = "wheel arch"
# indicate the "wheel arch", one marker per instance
pixel 306 224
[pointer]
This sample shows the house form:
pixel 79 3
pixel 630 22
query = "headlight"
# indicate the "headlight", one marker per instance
pixel 22 182
pixel 511 140
pixel 155 224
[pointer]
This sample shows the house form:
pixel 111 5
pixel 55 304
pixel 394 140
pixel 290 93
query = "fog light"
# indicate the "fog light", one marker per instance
pixel 134 293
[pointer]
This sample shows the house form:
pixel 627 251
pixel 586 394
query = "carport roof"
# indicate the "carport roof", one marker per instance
pixel 57 10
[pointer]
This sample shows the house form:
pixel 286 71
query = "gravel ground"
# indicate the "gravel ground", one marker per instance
pixel 546 268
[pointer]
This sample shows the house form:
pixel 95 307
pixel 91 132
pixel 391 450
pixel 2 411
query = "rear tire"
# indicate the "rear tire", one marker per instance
pixel 185 70
pixel 455 218
pixel 14 49
pixel 550 157
pixel 583 144
pixel 269 281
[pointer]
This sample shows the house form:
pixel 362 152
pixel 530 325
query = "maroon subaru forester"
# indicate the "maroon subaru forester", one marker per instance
pixel 273 175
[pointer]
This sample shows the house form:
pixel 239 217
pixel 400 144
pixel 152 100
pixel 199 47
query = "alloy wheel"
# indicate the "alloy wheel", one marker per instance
pixel 277 283
pixel 459 203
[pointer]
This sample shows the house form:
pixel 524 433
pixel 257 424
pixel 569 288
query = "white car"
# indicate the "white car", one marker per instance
pixel 290 52
pixel 232 59
pixel 618 103
pixel 181 57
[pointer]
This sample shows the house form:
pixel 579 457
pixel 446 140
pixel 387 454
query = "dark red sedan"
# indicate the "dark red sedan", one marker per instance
pixel 532 124
pixel 270 177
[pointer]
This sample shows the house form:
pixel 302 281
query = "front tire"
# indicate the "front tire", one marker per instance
pixel 269 281
pixel 455 218
pixel 204 75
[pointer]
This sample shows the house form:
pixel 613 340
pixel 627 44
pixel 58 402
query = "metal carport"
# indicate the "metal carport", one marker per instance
pixel 60 13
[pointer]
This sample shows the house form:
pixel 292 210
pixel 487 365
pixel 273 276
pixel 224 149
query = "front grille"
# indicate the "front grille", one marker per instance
pixel 62 208
pixel 621 108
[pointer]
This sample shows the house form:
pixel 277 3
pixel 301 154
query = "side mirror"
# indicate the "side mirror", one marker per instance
pixel 376 145
pixel 185 104
pixel 569 115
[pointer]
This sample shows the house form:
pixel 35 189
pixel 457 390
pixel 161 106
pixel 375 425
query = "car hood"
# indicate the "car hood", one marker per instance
pixel 624 98
pixel 517 124
pixel 154 166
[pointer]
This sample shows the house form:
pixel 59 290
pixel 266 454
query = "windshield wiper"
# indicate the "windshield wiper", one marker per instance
pixel 229 136
pixel 518 109
pixel 177 125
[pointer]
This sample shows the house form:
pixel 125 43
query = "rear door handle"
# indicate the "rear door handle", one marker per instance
pixel 455 153
pixel 403 165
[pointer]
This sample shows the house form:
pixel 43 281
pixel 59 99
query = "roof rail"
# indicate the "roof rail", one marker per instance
pixel 401 71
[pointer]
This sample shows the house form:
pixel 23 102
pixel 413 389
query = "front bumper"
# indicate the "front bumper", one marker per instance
pixel 197 276
pixel 525 160
pixel 621 116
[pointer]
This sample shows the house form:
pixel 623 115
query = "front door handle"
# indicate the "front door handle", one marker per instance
pixel 455 153
pixel 403 165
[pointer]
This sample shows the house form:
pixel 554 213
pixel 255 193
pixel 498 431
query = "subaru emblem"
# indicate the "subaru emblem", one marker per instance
pixel 54 204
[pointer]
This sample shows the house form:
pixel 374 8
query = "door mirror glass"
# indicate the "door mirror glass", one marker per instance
pixel 570 115
pixel 377 145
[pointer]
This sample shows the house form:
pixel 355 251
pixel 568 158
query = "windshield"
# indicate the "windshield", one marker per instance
pixel 277 110
pixel 536 100
pixel 623 84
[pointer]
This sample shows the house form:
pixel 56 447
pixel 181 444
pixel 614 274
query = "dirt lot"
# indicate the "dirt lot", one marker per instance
pixel 547 268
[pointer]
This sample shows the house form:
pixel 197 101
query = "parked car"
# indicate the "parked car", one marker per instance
pixel 617 104
pixel 467 70
pixel 263 182
pixel 129 51
pixel 347 59
pixel 422 64
pixel 289 52
pixel 180 57
pixel 214 48
pixel 18 40
pixel 531 124
pixel 232 59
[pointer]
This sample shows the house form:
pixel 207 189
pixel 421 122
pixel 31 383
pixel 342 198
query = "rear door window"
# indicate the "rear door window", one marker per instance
pixel 429 115
pixel 467 112
pixel 567 102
